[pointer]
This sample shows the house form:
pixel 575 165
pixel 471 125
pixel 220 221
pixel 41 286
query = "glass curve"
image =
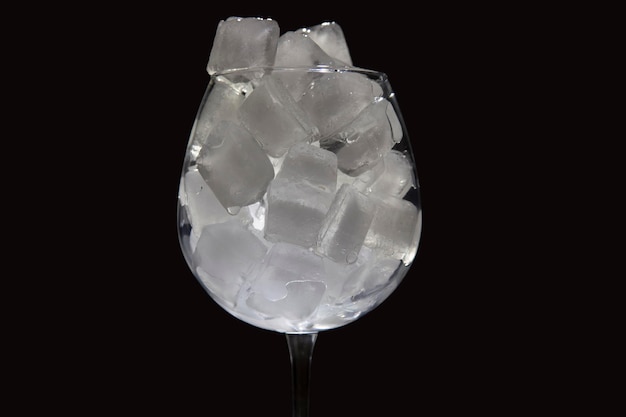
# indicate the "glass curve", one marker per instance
pixel 298 270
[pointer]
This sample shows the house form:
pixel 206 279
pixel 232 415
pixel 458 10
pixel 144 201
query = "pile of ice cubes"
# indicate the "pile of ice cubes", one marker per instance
pixel 293 190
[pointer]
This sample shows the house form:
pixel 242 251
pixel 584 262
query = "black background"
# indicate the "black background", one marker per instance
pixel 127 329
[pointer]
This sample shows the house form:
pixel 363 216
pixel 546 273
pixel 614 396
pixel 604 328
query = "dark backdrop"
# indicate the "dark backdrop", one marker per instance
pixel 135 332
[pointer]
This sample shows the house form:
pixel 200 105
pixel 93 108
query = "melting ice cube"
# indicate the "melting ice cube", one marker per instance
pixel 335 99
pixel 243 43
pixel 346 225
pixel 391 176
pixel 395 229
pixel 297 49
pixel 295 212
pixel 289 282
pixel 222 103
pixel 360 144
pixel 224 254
pixel 274 118
pixel 316 166
pixel 203 208
pixel 329 36
pixel 301 194
pixel 234 166
pixel 301 301
pixel 369 278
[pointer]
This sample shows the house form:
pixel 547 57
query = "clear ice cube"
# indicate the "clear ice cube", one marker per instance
pixel 394 122
pixel 224 254
pixel 311 164
pixel 301 261
pixel 338 273
pixel 368 278
pixel 243 42
pixel 301 301
pixel 360 144
pixel 273 117
pixel 395 229
pixel 336 99
pixel 329 36
pixel 392 176
pixel 295 212
pixel 222 102
pixel 203 208
pixel 300 195
pixel 346 225
pixel 288 283
pixel 235 167
pixel 285 263
pixel 297 49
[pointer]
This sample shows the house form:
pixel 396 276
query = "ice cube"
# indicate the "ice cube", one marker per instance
pixel 295 211
pixel 347 223
pixel 363 181
pixel 395 229
pixel 221 102
pixel 360 144
pixel 301 261
pixel 392 176
pixel 335 99
pixel 394 122
pixel 345 179
pixel 202 207
pixel 257 214
pixel 369 278
pixel 224 254
pixel 338 273
pixel 235 167
pixel 311 164
pixel 285 263
pixel 243 42
pixel 289 283
pixel 329 36
pixel 301 301
pixel 273 117
pixel 297 49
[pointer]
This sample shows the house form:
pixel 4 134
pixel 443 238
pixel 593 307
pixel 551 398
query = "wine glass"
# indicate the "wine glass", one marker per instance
pixel 299 207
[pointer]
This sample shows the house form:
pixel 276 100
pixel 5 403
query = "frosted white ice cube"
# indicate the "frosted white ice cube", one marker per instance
pixel 295 212
pixel 391 176
pixel 224 254
pixel 335 99
pixel 243 42
pixel 329 36
pixel 394 229
pixel 235 167
pixel 360 144
pixel 273 117
pixel 311 164
pixel 346 225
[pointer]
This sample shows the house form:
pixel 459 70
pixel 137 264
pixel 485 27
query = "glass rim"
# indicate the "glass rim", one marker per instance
pixel 324 69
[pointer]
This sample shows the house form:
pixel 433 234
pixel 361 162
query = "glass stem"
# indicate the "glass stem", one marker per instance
pixel 300 351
